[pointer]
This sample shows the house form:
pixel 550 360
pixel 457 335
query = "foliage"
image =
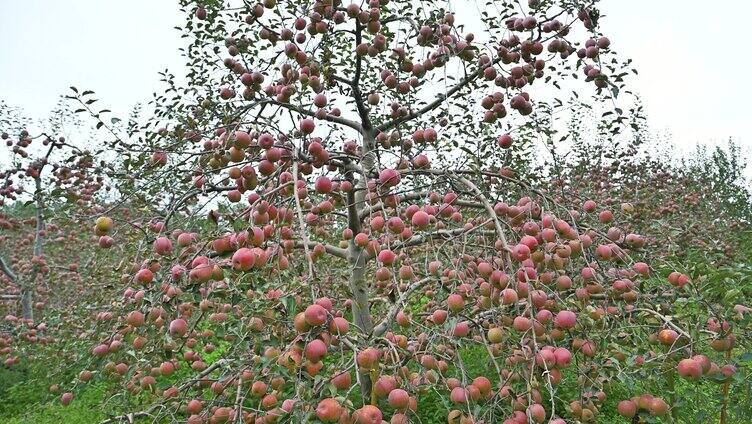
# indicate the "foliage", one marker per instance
pixel 339 217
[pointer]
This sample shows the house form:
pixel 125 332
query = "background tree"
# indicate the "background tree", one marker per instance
pixel 38 175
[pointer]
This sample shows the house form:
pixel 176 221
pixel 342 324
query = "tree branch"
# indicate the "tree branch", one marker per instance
pixel 301 223
pixel 331 118
pixel 5 268
pixel 439 100
pixel 369 209
pixel 666 320
pixel 419 239
pixel 387 322
pixel 129 417
pixel 492 215
pixel 357 95
pixel 332 250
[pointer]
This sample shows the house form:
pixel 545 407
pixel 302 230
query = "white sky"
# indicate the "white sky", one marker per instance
pixel 690 55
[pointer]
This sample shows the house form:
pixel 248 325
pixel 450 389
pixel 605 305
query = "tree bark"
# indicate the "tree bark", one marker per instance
pixel 360 307
pixel 359 289
pixel 27 299
pixel 358 260
pixel 27 287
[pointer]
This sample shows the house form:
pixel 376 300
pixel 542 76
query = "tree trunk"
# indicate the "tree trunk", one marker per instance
pixel 358 259
pixel 359 289
pixel 27 303
pixel 27 289
pixel 360 307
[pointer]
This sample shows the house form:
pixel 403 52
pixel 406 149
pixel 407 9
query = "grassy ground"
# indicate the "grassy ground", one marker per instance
pixel 25 399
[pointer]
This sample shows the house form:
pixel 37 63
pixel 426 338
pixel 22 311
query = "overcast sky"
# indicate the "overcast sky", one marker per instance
pixel 690 55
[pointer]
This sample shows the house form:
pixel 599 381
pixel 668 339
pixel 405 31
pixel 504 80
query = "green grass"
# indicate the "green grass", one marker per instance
pixel 85 409
pixel 26 399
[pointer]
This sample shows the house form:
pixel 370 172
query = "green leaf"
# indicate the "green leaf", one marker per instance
pixel 747 357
